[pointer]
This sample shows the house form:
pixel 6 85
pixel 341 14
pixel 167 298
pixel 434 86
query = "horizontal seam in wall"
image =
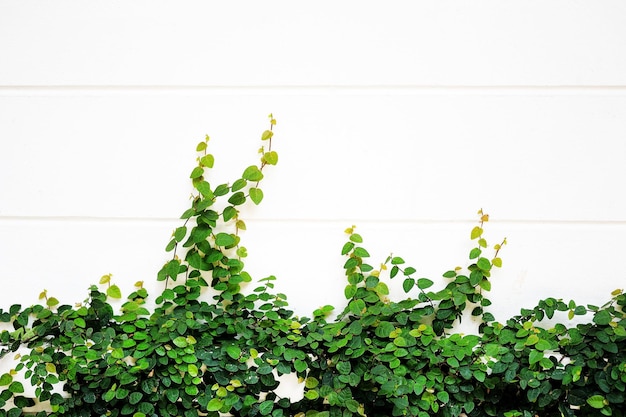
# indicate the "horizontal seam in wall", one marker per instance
pixel 103 219
pixel 29 90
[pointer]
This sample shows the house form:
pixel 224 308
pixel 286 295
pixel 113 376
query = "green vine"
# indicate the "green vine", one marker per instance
pixel 218 342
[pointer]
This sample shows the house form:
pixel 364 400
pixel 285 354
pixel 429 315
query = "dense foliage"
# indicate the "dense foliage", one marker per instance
pixel 217 341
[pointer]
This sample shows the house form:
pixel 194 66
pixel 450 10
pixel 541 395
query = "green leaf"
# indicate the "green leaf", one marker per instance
pixel 5 379
pixel 382 288
pixel 215 404
pixel 347 248
pixel 300 365
pixel 350 291
pixel 531 340
pixel 201 146
pixel 408 284
pixel 252 173
pixel 171 245
pixel 221 190
pixel 196 173
pixel 475 253
pixel 311 382
pixel 172 394
pixel 16 387
pixel 356 238
pixel 256 195
pixel 485 284
pixel 543 345
pixel 602 317
pixel 424 283
pixel 270 158
pixel 396 260
pixel 207 160
pixel 233 351
pixel 597 401
pixel 205 189
pixel 172 268
pixel 188 213
pixel 114 292
pixel 535 356
pixel 237 199
pixel 266 407
pixel 443 396
pixel 267 135
pixel 179 233
pixel 361 253
pixel 180 341
pixel 229 213
pixel 484 264
pixel 225 239
pixel 476 232
pixel 311 395
pixel 134 397
pixel 479 375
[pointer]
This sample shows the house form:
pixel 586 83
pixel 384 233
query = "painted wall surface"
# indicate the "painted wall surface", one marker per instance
pixel 403 118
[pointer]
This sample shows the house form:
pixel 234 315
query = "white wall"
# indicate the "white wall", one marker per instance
pixel 403 118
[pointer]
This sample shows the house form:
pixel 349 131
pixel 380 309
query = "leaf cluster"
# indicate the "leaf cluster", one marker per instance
pixel 217 342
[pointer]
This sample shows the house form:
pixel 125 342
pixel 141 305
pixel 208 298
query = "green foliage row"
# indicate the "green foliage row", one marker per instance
pixel 217 341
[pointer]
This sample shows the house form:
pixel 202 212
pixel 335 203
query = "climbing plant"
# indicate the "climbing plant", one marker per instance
pixel 218 341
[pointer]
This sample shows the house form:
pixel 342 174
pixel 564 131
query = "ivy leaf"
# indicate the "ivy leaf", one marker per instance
pixel 172 268
pixel 16 387
pixel 484 264
pixel 347 248
pixel 382 288
pixel 215 404
pixel 237 199
pixel 424 283
pixel 350 291
pixel 408 284
pixel 596 401
pixel 476 232
pixel 300 365
pixel 196 173
pixel 225 239
pixel 270 157
pixel 229 213
pixel 179 233
pixel 221 190
pixel 543 345
pixel 266 407
pixel 356 238
pixel 535 356
pixel 114 292
pixel 180 341
pixel 256 195
pixel 233 351
pixel 207 161
pixel 252 173
pixel 602 318
pixel 267 135
pixel 205 189
pixel 5 379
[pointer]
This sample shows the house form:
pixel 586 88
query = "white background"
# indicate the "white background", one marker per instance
pixel 404 118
